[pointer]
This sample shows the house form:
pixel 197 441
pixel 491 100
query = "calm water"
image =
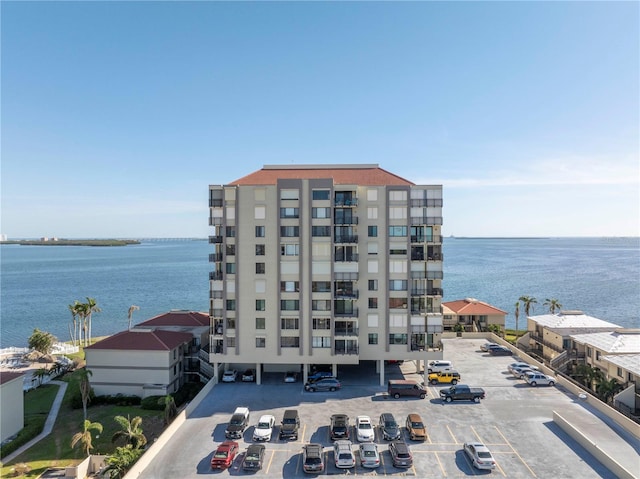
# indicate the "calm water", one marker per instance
pixel 600 276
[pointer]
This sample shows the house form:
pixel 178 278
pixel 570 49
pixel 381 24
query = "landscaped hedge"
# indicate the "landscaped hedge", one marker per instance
pixel 32 427
pixel 117 399
pixel 186 393
pixel 152 403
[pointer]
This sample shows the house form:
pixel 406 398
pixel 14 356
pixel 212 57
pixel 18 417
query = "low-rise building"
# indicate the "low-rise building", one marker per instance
pixel 472 314
pixel 11 404
pixel 141 362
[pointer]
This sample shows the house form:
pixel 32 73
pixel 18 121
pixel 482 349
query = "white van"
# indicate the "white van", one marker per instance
pixel 439 365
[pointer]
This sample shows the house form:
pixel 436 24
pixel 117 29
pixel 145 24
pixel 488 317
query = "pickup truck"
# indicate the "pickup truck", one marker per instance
pixel 461 392
pixel 238 423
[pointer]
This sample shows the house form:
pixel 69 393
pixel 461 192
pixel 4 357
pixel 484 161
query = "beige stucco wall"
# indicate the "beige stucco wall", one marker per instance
pixel 11 408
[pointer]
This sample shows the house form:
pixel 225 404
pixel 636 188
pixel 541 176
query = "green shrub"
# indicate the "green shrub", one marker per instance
pixel 32 427
pixel 75 400
pixel 152 403
pixel 118 400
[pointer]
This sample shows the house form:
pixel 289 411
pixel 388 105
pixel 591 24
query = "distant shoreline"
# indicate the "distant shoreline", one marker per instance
pixel 67 242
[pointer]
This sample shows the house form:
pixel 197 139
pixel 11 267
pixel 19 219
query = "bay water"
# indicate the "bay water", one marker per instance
pixel 600 276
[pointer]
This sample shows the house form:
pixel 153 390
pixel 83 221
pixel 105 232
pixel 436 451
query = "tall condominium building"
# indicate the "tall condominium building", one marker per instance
pixel 324 265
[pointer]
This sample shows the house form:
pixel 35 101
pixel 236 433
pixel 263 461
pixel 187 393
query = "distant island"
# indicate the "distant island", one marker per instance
pixel 68 242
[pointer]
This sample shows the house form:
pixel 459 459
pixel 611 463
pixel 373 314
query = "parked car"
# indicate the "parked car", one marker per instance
pixel 264 428
pixel 521 364
pixel 290 377
pixel 249 376
pixel 520 371
pixel 369 455
pixel 500 351
pixel 364 429
pixel 229 376
pixel 439 365
pixel 416 428
pixel 479 455
pixel 224 455
pixel 339 427
pixel 343 455
pixel 462 392
pixel 253 458
pixel 537 378
pixel 319 375
pixel 325 384
pixel 238 423
pixel 389 427
pixel 400 454
pixel 312 458
pixel 290 424
pixel 449 376
pixel 486 346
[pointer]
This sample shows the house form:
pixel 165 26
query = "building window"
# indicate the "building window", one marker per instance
pixel 260 268
pixel 231 304
pixel 289 213
pixel 260 342
pixel 289 231
pixel 373 303
pixel 619 372
pixel 321 231
pixel 231 268
pixel 289 323
pixel 231 323
pixel 589 352
pixel 289 194
pixel 397 231
pixel 320 194
pixel 321 212
pixel 231 231
pixel 260 250
pixel 289 286
pixel 397 285
pixel 230 250
pixel 397 338
pixel 373 338
pixel 373 285
pixel 289 342
pixel 289 250
pixel 395 303
pixel 372 212
pixel 321 342
pixel 260 323
pixel 260 304
pixel 597 355
pixel 402 251
pixel 259 231
pixel 289 305
pixel 260 212
pixel 231 342
pixel 321 323
pixel 321 286
pixel 321 305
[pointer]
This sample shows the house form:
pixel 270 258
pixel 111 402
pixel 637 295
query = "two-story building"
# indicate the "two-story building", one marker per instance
pixel 472 315
pixel 11 404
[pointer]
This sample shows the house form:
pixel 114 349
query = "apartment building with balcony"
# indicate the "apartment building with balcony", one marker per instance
pixel 324 265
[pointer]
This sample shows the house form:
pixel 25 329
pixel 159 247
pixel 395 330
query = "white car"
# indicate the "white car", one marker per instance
pixel 522 365
pixel 343 455
pixel 537 378
pixel 520 371
pixel 479 455
pixel 364 429
pixel 229 376
pixel 264 428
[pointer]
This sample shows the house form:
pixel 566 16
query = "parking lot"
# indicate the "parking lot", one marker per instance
pixel 514 421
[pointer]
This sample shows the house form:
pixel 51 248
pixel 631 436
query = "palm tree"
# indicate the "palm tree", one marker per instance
pixel 169 407
pixel 92 307
pixel 85 388
pixel 528 302
pixel 81 313
pixel 84 436
pixel 132 308
pixel 74 319
pixel 553 304
pixel 130 431
pixel 121 461
pixel 606 388
pixel 517 315
pixel 40 374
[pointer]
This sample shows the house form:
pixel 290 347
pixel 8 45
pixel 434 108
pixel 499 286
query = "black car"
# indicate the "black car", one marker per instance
pixel 319 375
pixel 339 427
pixel 400 454
pixel 290 424
pixel 253 457
pixel 500 351
pixel 389 427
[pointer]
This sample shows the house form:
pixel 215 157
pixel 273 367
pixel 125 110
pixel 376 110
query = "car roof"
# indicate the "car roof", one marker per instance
pixel 386 416
pixel 342 444
pixel 414 417
pixel 369 445
pixel 363 419
pixel 313 449
pixel 226 445
pixel 400 445
pixel 255 447
pixel 478 446
pixel 266 418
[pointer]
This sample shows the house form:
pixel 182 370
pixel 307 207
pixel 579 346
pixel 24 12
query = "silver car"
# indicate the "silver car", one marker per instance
pixel 343 455
pixel 369 455
pixel 479 455
pixel 520 371
pixel 536 378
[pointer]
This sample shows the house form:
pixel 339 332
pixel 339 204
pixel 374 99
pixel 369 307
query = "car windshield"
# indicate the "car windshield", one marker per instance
pixel 288 421
pixel 236 421
pixel 221 454
pixel 365 425
pixel 263 425
pixel 390 424
pixel 417 425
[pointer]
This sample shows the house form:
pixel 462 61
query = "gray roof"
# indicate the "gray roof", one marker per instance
pixel 572 320
pixel 629 362
pixel 612 342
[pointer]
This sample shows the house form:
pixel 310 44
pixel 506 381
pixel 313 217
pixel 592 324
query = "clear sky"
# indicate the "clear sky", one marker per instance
pixel 116 116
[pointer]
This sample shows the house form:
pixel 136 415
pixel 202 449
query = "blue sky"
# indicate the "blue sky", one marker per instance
pixel 116 116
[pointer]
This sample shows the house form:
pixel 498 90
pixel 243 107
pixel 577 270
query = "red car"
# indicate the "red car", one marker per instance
pixel 225 454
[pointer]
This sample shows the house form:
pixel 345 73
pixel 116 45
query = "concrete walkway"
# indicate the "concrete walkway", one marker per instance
pixel 48 425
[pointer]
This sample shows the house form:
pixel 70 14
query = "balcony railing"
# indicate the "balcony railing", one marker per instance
pixel 347 331
pixel 339 276
pixel 540 340
pixel 215 203
pixel 350 350
pixel 424 202
pixel 346 294
pixel 350 220
pixel 216 276
pixel 346 239
pixel 426 239
pixel 216 239
pixel 215 257
pixel 426 292
pixel 346 202
pixel 435 257
pixel 216 221
pixel 426 275
pixel 426 220
pixel 351 313
pixel 346 258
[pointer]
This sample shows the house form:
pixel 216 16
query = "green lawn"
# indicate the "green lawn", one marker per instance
pixel 55 449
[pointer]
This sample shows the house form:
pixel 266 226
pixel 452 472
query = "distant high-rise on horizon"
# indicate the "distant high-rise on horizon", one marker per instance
pixel 324 265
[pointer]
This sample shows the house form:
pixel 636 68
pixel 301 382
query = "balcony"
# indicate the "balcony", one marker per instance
pixel 216 203
pixel 346 294
pixel 350 220
pixel 540 340
pixel 216 239
pixel 346 239
pixel 352 313
pixel 347 350
pixel 347 331
pixel 346 258
pixel 426 202
pixel 435 257
pixel 346 201
pixel 426 220
pixel 216 276
pixel 217 221
pixel 426 239
pixel 426 275
pixel 215 257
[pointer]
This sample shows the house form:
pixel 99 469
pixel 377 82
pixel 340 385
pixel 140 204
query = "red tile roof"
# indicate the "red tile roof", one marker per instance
pixel 141 340
pixel 368 175
pixel 6 376
pixel 178 318
pixel 470 306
